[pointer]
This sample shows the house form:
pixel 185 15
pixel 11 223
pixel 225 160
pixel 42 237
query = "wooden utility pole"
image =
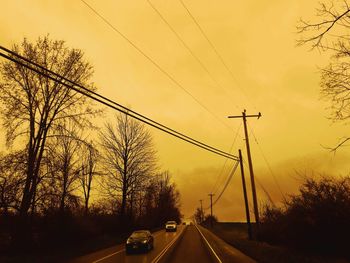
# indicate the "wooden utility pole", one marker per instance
pixel 245 196
pixel 211 209
pixel 201 210
pixel 255 200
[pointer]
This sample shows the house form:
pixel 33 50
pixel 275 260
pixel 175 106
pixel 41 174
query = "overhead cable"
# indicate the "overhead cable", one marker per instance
pixel 177 83
pixel 267 163
pixel 213 47
pixel 226 184
pixel 107 102
pixel 216 185
pixel 207 38
pixel 187 47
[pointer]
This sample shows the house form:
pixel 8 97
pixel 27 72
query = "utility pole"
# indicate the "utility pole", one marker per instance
pixel 211 209
pixel 255 200
pixel 201 210
pixel 245 196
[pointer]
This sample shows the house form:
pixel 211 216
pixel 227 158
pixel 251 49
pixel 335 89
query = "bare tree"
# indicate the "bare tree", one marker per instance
pixel 128 158
pixel 331 33
pixel 168 202
pixel 12 169
pixel 89 158
pixel 64 152
pixel 161 201
pixel 32 104
pixel 199 215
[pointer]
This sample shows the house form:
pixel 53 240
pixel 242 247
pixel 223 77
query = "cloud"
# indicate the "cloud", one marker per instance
pixel 196 184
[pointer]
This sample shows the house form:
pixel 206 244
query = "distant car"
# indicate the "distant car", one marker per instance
pixel 141 240
pixel 170 226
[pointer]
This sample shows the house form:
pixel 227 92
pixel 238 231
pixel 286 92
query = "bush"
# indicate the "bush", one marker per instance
pixel 318 218
pixel 208 220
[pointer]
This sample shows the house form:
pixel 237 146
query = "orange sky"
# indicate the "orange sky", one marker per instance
pixel 257 41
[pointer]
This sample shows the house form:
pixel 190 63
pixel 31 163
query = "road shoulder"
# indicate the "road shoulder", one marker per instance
pixel 226 252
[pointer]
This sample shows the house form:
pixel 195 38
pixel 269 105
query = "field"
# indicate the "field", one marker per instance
pixel 236 235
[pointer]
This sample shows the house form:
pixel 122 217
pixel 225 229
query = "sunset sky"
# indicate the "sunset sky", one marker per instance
pixel 257 41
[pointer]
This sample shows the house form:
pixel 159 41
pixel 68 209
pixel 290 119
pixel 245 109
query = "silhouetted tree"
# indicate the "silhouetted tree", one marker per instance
pixel 64 152
pixel 330 32
pixel 31 104
pixel 161 201
pixel 316 218
pixel 147 209
pixel 89 158
pixel 168 202
pixel 208 220
pixel 128 158
pixel 12 169
pixel 199 215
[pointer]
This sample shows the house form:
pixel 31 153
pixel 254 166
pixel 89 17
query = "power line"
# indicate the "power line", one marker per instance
pixel 172 29
pixel 226 184
pixel 212 45
pixel 263 188
pixel 110 103
pixel 208 40
pixel 105 98
pixel 267 163
pixel 215 188
pixel 178 84
pixel 186 46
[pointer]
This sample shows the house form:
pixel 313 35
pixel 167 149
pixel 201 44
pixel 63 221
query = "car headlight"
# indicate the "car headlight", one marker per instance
pixel 144 241
pixel 128 241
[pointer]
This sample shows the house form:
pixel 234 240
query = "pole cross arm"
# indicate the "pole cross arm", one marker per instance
pixel 250 163
pixel 242 116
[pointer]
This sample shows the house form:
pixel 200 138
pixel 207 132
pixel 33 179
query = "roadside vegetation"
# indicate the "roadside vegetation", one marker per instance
pixel 312 226
pixel 317 219
pixel 64 181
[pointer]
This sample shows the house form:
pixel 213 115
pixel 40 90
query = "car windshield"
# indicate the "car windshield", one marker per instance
pixel 139 235
pixel 171 222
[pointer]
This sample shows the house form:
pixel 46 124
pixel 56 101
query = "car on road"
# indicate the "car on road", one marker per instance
pixel 141 240
pixel 170 226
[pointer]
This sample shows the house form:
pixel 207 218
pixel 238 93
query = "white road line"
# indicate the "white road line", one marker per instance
pixel 216 255
pixel 161 254
pixel 119 251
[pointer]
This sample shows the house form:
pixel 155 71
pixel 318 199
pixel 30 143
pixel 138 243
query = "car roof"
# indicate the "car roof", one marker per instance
pixel 171 222
pixel 142 231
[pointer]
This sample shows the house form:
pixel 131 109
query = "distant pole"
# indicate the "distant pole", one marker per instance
pixel 245 196
pixel 201 210
pixel 255 199
pixel 211 209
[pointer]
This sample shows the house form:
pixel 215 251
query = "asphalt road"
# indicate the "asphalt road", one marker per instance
pixel 115 254
pixel 189 244
pixel 190 249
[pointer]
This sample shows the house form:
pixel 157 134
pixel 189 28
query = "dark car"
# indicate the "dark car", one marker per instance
pixel 141 240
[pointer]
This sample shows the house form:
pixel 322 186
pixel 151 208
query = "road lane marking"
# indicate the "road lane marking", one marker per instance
pixel 216 255
pixel 162 253
pixel 119 251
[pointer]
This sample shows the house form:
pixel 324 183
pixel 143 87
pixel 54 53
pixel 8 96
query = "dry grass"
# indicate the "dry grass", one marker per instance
pixel 236 235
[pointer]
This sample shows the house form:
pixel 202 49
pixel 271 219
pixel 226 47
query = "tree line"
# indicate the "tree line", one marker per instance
pixel 59 163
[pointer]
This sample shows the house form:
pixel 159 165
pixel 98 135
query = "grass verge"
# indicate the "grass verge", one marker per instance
pixel 236 235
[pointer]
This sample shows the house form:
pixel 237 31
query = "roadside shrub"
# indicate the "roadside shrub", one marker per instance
pixel 318 218
pixel 208 219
